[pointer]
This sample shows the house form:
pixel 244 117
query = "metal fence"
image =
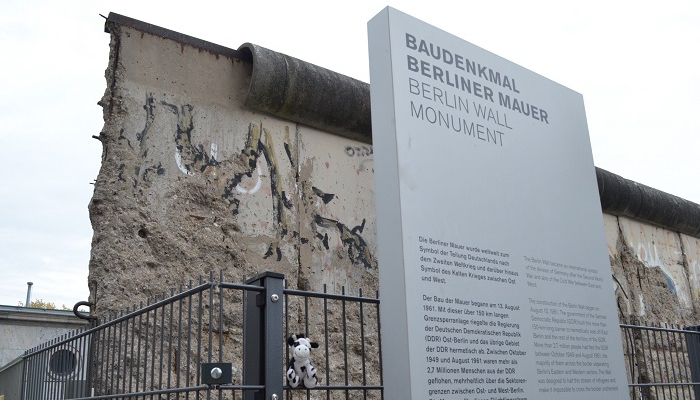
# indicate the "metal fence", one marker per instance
pixel 170 347
pixel 662 361
pixel 215 339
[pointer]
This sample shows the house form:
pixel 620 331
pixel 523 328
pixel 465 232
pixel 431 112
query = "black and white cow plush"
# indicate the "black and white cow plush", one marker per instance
pixel 300 367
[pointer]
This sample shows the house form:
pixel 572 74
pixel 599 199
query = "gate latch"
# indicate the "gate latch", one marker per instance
pixel 216 373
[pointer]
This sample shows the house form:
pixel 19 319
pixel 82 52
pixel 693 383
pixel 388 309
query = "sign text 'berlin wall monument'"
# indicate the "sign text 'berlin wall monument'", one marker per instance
pixel 494 274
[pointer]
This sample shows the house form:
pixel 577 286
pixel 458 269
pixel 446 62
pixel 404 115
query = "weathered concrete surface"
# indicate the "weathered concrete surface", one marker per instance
pixel 655 271
pixel 690 247
pixel 193 181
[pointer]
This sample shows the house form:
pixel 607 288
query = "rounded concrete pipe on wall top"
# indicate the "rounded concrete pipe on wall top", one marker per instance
pixel 302 92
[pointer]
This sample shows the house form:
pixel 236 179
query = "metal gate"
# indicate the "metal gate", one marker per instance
pixel 227 341
pixel 215 339
pixel 662 361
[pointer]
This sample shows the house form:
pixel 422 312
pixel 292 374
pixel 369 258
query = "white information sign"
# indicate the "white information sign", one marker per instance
pixel 494 275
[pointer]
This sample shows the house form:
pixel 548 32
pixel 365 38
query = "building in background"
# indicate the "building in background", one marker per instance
pixel 23 328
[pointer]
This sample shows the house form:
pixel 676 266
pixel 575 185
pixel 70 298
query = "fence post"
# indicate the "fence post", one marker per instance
pixel 25 378
pixel 692 341
pixel 263 337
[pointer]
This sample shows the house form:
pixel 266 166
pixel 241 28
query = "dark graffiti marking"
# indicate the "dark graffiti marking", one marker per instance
pixel 120 169
pixel 141 137
pixel 273 249
pixel 122 137
pixel 326 197
pixel 158 169
pixel 358 151
pixel 259 146
pixel 289 154
pixel 324 239
pixel 259 143
pixel 199 158
pixel 357 248
pixel 287 201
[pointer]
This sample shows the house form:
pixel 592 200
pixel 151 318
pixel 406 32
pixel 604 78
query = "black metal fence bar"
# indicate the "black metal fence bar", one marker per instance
pixel 661 384
pixel 657 328
pixel 242 387
pixel 330 296
pixel 144 394
pixel 189 342
pixel 345 388
pixel 362 344
pixel 263 334
pixel 325 323
pixel 221 316
pixel 199 332
pixel 345 342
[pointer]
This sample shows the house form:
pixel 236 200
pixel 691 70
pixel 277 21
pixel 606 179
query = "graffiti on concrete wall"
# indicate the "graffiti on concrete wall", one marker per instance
pixel 254 170
pixel 260 145
pixel 653 270
pixel 357 248
pixel 674 272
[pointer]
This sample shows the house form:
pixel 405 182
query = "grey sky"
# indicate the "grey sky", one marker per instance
pixel 635 62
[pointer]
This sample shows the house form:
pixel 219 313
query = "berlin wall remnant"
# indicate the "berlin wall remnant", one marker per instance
pixel 193 180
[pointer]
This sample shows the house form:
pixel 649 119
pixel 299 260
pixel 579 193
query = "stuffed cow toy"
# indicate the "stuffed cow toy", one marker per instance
pixel 300 367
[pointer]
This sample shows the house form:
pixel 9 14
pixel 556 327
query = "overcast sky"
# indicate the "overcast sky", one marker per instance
pixel 635 62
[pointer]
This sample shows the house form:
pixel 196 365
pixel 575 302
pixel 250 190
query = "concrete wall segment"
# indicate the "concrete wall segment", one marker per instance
pixel 165 202
pixel 10 378
pixel 194 180
pixel 659 248
pixel 612 234
pixel 298 91
pixel 690 247
pixel 652 271
pixel 115 19
pixel 337 193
